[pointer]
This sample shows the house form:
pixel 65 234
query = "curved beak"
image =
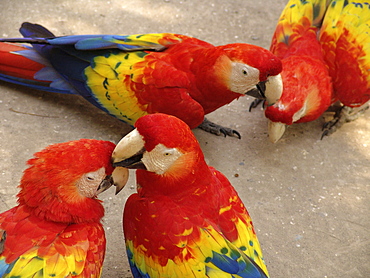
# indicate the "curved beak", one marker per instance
pixel 274 89
pixel 120 177
pixel 129 151
pixel 275 130
pixel 270 90
pixel 105 184
pixel 259 91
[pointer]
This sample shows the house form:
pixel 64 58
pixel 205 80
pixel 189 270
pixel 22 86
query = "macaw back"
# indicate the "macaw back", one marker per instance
pixel 146 82
pixel 124 76
pixel 345 41
pixel 307 91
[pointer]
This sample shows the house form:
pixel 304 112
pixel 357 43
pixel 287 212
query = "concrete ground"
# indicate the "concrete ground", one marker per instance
pixel 309 198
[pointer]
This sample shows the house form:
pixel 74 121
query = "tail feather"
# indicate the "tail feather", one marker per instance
pixel 16 65
pixel 24 66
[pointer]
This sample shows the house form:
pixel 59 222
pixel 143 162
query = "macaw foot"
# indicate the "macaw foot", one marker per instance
pixel 255 103
pixel 343 115
pixel 213 128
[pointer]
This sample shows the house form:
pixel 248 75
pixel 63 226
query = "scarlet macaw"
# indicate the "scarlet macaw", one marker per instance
pixel 131 76
pixel 186 219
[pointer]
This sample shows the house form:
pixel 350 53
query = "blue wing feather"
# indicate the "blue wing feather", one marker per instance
pixel 5 268
pixel 66 58
pixel 245 268
pixel 135 270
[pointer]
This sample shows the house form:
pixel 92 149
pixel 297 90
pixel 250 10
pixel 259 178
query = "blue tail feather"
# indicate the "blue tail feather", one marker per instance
pixel 33 84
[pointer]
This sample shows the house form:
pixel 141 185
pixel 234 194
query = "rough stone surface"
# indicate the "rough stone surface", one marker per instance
pixel 309 198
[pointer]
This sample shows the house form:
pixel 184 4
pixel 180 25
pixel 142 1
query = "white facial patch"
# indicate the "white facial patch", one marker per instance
pixel 160 159
pixel 88 184
pixel 243 78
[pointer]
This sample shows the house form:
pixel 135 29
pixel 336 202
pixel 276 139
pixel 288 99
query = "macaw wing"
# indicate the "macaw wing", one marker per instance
pixel 345 39
pixel 34 248
pixel 236 224
pixel 41 35
pixel 186 246
pixel 112 72
pixel 297 18
pixel 129 85
pixel 140 42
pixel 59 259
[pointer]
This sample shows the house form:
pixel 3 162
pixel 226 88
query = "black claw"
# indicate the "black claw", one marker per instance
pixel 342 115
pixel 255 103
pixel 237 134
pixel 330 124
pixel 325 133
pixel 218 130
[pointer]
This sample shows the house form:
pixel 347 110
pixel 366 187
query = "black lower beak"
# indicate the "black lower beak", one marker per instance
pixel 105 184
pixel 133 162
pixel 259 91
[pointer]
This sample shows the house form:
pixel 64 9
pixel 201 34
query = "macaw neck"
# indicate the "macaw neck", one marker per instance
pixel 211 82
pixel 198 61
pixel 87 211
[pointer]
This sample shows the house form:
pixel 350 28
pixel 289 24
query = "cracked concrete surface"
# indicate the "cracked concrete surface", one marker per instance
pixel 308 198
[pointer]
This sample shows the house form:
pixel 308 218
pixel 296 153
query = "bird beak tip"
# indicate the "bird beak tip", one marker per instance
pixel 120 177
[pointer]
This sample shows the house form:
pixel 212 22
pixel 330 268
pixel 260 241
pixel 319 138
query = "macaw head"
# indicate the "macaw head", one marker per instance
pixel 64 179
pixel 252 70
pixel 307 94
pixel 163 146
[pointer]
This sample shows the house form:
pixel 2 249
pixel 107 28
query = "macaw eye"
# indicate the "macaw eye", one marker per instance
pixel 90 176
pixel 244 72
pixel 169 152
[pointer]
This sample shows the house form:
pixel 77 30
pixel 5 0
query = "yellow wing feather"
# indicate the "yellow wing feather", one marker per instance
pixel 107 82
pixel 345 40
pixel 198 253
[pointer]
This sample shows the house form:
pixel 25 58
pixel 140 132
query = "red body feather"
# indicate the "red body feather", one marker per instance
pixel 181 221
pixel 55 229
pixel 325 48
pixel 345 40
pixel 307 85
pixel 135 75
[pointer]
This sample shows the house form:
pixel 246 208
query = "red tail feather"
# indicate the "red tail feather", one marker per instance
pixel 16 65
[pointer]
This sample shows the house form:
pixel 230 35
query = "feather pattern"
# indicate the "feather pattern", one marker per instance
pixel 345 40
pixel 307 85
pixel 55 231
pixel 129 76
pixel 189 221
pixel 325 50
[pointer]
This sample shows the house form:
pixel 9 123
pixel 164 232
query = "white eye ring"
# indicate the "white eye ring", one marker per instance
pixel 245 72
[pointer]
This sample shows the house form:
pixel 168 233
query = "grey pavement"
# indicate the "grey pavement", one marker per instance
pixel 308 198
